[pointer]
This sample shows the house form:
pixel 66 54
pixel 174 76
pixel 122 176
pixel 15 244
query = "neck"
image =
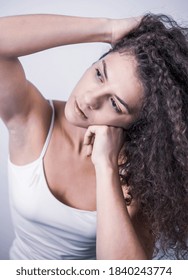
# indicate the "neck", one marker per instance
pixel 75 137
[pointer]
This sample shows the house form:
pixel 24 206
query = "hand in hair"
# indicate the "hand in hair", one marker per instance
pixel 121 27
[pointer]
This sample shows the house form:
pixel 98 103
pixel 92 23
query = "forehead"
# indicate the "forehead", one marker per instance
pixel 122 75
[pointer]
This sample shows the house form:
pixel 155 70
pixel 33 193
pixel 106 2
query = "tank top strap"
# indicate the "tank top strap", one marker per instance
pixel 44 149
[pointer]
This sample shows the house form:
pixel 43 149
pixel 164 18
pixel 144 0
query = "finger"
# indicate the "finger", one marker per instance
pixel 88 137
pixel 89 150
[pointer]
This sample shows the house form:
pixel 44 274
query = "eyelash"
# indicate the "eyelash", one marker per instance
pixel 115 106
pixel 99 75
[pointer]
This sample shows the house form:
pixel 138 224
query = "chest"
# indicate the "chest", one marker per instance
pixel 70 177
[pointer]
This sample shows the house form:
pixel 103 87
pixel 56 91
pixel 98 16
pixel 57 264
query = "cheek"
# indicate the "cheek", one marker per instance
pixel 129 121
pixel 124 122
pixel 69 110
pixel 75 90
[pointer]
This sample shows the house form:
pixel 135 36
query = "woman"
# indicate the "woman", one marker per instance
pixel 104 175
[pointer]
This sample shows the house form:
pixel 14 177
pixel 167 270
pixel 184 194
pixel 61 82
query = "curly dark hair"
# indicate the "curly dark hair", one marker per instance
pixel 156 145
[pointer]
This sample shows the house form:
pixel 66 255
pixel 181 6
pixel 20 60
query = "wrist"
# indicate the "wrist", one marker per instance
pixel 102 167
pixel 107 177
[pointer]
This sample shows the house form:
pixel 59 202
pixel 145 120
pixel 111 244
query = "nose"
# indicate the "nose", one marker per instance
pixel 94 99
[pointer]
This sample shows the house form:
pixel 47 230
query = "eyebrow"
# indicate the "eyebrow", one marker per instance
pixel 105 69
pixel 124 104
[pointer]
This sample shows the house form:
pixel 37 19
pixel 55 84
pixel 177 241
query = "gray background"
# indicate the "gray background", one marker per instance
pixel 68 63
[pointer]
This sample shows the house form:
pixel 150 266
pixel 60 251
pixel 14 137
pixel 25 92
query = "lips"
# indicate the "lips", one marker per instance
pixel 79 111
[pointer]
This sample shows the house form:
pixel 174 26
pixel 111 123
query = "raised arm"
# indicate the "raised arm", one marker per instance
pixel 27 34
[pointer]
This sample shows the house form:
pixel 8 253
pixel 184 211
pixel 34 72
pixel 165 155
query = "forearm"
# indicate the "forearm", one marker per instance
pixel 23 35
pixel 116 236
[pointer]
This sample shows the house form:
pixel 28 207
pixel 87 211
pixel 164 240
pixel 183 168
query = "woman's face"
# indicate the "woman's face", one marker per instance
pixel 109 93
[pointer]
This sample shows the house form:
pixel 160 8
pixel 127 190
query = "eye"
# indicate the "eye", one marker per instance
pixel 115 106
pixel 99 75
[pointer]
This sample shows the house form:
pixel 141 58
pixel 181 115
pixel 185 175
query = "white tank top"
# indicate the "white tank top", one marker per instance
pixel 46 228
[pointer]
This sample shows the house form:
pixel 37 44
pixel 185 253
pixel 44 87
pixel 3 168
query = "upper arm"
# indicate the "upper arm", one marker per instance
pixel 14 97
